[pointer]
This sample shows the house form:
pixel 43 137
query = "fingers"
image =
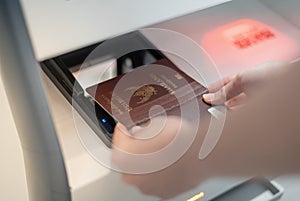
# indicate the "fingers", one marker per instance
pixel 219 84
pixel 237 102
pixel 231 89
pixel 150 138
pixel 127 146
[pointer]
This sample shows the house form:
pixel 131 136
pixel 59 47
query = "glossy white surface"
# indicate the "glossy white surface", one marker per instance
pixel 59 26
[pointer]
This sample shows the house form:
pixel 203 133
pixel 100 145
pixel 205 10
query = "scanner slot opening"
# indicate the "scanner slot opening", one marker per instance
pixel 63 72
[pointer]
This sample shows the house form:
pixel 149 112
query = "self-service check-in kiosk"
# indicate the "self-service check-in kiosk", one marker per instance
pixel 235 35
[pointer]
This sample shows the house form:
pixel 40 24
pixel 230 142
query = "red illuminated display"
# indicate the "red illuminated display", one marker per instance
pixel 245 35
pixel 246 43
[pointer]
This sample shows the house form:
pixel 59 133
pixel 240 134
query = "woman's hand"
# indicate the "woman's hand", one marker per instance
pixel 181 175
pixel 234 90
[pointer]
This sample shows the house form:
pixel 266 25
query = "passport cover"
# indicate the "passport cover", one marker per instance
pixel 133 99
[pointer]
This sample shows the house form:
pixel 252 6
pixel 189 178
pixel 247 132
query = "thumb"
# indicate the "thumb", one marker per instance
pixel 227 92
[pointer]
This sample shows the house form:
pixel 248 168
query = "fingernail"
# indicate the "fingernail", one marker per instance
pixel 208 97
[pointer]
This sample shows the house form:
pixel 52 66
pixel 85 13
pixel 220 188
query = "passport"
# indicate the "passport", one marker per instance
pixel 160 88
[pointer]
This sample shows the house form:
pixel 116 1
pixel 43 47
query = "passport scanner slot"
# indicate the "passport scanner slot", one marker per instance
pixel 74 72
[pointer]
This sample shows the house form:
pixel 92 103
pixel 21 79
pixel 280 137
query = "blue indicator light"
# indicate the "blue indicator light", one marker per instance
pixel 103 120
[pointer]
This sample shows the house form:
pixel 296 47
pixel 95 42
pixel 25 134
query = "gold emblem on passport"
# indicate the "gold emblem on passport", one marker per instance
pixel 145 93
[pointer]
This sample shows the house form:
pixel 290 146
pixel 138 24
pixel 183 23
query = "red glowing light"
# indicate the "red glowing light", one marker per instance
pixel 247 43
pixel 245 34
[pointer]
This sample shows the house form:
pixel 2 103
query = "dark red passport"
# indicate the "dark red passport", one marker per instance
pixel 148 91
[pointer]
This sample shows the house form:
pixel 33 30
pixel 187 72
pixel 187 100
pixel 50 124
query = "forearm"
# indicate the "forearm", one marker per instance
pixel 263 137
